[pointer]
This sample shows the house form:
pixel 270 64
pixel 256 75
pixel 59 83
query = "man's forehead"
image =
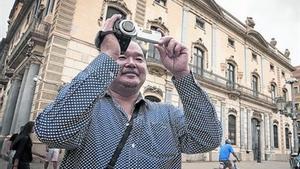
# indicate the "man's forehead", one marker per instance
pixel 134 48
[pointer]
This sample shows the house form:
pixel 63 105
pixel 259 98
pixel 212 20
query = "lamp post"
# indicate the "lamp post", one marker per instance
pixel 280 103
pixel 294 115
pixel 290 141
pixel 258 142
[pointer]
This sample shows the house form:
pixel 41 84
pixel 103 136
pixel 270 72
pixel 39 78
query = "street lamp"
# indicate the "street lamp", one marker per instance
pixel 280 103
pixel 258 142
pixel 290 140
pixel 293 113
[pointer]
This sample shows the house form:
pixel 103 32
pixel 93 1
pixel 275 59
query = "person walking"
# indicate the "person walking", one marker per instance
pixel 22 145
pixel 52 156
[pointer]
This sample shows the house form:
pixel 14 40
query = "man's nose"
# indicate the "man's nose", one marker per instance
pixel 130 62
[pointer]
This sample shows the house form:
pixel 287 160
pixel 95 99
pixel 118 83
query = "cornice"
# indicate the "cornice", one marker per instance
pixel 16 24
pixel 217 12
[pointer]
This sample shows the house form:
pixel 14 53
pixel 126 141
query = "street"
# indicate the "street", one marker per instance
pixel 197 165
pixel 241 165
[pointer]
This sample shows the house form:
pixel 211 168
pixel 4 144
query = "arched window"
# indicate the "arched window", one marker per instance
pixel 231 75
pixel 254 85
pixel 284 94
pixel 275 133
pixel 152 98
pixel 198 61
pixel 273 92
pixel 111 11
pixel 232 128
pixel 287 140
pixel 152 51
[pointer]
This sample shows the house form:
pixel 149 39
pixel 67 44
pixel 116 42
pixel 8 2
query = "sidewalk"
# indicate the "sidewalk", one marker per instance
pixel 195 165
pixel 241 165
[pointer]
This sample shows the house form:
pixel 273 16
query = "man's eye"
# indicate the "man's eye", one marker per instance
pixel 122 57
pixel 139 59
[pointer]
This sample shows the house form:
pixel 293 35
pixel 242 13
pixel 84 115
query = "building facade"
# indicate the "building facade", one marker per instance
pixel 50 41
pixel 296 91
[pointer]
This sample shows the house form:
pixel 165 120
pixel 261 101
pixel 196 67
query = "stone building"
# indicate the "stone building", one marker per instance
pixel 296 86
pixel 50 41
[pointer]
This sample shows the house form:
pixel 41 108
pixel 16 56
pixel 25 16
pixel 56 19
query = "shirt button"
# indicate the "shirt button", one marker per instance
pixel 132 145
pixel 127 124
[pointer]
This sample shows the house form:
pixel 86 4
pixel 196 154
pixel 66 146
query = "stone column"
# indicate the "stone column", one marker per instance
pixel 242 133
pixel 262 139
pixel 271 132
pixel 13 128
pixel 249 131
pixel 27 99
pixel 213 47
pixel 184 24
pixel 223 120
pixel 10 106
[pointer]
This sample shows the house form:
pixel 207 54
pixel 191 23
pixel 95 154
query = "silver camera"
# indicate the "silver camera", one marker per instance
pixel 129 29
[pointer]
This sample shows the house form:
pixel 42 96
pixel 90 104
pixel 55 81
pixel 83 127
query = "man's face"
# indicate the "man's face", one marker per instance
pixel 133 67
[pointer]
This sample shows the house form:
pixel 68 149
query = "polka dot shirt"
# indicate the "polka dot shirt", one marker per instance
pixel 86 121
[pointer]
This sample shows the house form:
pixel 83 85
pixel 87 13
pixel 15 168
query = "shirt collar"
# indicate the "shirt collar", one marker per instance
pixel 139 99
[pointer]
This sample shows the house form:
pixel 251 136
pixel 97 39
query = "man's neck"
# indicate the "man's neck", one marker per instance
pixel 125 101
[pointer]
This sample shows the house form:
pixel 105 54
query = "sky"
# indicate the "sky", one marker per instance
pixel 279 19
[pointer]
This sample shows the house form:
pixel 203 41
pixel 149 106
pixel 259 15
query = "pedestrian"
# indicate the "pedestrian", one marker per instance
pixel 11 152
pixel 224 154
pixel 52 156
pixel 102 120
pixel 23 144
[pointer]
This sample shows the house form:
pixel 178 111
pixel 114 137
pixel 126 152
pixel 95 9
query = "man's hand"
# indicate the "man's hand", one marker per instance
pixel 174 56
pixel 110 44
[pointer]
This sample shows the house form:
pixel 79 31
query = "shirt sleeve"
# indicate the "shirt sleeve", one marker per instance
pixel 231 149
pixel 63 122
pixel 197 127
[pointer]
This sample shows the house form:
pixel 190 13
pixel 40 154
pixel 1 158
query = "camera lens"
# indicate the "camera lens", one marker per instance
pixel 128 26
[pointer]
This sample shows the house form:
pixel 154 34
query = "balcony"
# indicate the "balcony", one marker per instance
pixel 234 90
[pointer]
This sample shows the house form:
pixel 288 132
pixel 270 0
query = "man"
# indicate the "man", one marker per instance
pixel 224 155
pixel 52 156
pixel 90 115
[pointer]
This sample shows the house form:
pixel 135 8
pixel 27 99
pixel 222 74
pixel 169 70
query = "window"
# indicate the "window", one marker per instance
pixel 50 6
pixel 152 51
pixel 273 92
pixel 28 18
pixel 232 128
pixel 287 140
pixel 152 98
pixel 284 94
pixel 283 74
pixel 255 85
pixel 231 75
pixel 295 90
pixel 200 23
pixel 275 133
pixel 198 61
pixel 111 11
pixel 161 2
pixel 254 57
pixel 36 8
pixel 231 42
pixel 272 67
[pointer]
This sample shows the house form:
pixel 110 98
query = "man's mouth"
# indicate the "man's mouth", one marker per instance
pixel 130 73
